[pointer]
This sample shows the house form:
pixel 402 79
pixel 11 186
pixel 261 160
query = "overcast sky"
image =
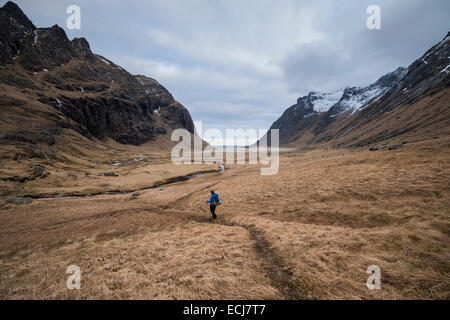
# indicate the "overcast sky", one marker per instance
pixel 241 63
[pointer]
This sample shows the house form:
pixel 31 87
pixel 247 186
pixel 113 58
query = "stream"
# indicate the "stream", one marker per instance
pixel 111 192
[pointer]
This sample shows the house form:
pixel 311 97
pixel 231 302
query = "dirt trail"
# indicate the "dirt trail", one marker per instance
pixel 278 273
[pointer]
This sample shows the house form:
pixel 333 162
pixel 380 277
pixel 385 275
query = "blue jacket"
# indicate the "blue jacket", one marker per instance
pixel 214 199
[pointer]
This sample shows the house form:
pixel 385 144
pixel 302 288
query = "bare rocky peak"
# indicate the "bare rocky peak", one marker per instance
pixel 110 102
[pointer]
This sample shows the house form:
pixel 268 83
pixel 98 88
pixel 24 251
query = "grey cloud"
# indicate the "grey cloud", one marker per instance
pixel 350 54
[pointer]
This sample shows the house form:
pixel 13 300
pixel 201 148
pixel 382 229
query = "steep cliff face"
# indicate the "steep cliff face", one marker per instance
pixel 68 86
pixel 358 116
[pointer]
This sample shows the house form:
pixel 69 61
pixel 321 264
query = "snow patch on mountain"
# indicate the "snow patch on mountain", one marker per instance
pixel 322 102
pixel 364 98
pixel 357 98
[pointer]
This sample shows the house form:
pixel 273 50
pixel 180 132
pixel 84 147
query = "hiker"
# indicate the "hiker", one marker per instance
pixel 213 202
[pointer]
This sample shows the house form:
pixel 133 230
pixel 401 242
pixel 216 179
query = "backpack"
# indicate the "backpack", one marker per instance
pixel 216 199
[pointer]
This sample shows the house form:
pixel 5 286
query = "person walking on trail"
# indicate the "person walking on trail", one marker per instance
pixel 213 203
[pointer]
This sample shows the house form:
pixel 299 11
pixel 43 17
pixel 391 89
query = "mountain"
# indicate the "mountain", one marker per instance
pixel 357 98
pixel 51 85
pixel 413 102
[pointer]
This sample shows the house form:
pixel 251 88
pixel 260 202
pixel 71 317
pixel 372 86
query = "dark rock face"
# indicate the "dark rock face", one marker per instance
pixel 296 118
pixel 15 31
pixel 173 113
pixel 91 94
pixel 82 49
pixel 50 48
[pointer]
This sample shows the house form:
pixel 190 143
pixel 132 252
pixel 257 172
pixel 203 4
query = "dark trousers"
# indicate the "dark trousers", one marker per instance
pixel 212 208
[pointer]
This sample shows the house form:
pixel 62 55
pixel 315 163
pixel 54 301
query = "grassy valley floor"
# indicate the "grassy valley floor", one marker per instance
pixel 308 232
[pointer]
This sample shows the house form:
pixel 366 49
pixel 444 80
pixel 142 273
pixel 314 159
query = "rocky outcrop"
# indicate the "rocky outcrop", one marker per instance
pixel 16 31
pixel 89 93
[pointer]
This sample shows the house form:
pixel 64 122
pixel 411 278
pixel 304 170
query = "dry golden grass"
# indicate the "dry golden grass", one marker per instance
pixel 310 231
pixel 88 161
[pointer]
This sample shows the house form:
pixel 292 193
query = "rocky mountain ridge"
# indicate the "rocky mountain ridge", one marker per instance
pixel 326 118
pixel 41 68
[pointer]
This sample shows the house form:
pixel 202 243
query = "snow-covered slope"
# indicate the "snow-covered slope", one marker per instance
pixel 322 102
pixel 351 98
pixel 357 98
pixel 315 105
